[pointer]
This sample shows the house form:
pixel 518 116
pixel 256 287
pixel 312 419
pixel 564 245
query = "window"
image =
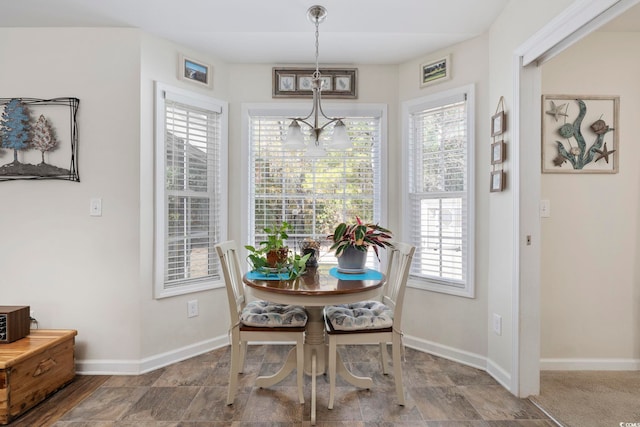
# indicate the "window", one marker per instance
pixel 191 140
pixel 439 202
pixel 312 195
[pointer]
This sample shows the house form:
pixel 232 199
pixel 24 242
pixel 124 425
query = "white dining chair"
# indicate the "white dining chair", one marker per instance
pixel 373 322
pixel 257 321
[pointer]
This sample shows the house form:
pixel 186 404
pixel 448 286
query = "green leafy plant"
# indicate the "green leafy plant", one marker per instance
pixel 273 255
pixel 360 236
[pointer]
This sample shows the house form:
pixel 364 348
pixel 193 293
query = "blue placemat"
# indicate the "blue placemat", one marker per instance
pixel 257 275
pixel 368 275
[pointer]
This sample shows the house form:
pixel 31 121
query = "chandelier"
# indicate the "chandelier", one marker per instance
pixel 295 138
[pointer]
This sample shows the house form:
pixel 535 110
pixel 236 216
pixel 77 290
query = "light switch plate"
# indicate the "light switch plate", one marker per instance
pixel 95 206
pixel 545 208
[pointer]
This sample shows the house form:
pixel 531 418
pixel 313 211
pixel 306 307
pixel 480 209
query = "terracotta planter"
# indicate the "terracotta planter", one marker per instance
pixel 277 257
pixel 352 260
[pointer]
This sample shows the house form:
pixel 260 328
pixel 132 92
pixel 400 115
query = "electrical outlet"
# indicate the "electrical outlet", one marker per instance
pixel 497 324
pixel 192 308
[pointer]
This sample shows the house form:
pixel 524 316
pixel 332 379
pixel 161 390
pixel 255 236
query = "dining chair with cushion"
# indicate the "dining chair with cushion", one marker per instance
pixel 257 321
pixel 373 322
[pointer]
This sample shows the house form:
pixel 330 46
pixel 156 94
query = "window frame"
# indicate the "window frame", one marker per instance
pixel 297 110
pixel 467 287
pixel 161 290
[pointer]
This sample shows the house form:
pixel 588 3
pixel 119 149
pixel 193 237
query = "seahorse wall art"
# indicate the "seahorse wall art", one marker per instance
pixel 574 148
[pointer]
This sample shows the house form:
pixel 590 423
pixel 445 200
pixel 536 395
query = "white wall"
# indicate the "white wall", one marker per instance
pixel 251 83
pixel 590 250
pixel 519 20
pixel 76 271
pixel 165 324
pixel 455 326
pixel 94 274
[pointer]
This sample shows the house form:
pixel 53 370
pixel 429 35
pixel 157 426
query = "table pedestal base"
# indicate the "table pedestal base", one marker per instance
pixel 315 361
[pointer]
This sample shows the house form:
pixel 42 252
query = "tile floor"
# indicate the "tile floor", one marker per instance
pixel 192 393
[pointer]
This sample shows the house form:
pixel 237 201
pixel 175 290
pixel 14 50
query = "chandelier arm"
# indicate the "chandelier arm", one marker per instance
pixel 304 121
pixel 317 14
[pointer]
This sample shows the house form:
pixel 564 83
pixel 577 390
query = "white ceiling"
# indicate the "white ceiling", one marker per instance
pixel 276 31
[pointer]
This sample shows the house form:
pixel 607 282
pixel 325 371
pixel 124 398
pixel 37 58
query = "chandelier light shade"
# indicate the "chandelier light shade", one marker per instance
pixel 294 139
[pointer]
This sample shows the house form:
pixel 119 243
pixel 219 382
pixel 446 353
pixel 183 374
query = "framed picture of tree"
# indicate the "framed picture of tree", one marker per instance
pixel 39 139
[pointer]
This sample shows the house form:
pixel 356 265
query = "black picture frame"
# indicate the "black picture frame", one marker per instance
pixel 51 116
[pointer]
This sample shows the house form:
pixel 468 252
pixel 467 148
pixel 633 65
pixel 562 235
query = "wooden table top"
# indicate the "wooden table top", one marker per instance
pixel 37 341
pixel 317 282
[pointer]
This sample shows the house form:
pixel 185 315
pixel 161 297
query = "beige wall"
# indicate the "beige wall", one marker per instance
pixel 590 251
pixel 45 227
pixel 437 321
pixel 112 255
pixel 165 325
pixel 516 24
pixel 94 274
pixel 77 271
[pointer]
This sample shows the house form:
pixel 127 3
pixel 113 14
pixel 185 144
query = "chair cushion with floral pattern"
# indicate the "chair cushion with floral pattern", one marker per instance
pixel 269 315
pixel 360 315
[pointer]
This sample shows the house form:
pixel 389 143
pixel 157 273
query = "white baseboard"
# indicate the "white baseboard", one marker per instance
pixel 499 374
pixel 450 353
pixel 589 364
pixel 460 356
pixel 148 364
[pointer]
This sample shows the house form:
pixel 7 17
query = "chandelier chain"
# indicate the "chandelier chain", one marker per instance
pixel 317 73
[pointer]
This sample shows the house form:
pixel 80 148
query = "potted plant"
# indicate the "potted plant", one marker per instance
pixel 312 247
pixel 273 255
pixel 352 241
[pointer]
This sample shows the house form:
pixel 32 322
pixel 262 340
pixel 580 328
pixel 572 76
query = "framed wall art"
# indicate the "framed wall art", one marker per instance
pixel 39 139
pixel 498 152
pixel 498 123
pixel 497 181
pixel 194 71
pixel 297 82
pixel 435 71
pixel 580 134
pixel 498 148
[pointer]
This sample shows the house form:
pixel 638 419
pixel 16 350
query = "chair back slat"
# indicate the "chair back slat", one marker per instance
pixel 398 265
pixel 230 261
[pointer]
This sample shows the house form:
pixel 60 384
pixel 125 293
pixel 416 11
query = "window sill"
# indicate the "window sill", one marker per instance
pixel 161 292
pixel 420 283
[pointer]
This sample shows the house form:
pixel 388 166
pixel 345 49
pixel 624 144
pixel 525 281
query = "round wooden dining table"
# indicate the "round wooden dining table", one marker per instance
pixel 315 289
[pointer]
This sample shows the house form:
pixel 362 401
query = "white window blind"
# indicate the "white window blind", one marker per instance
pixel 439 202
pixel 313 196
pixel 189 193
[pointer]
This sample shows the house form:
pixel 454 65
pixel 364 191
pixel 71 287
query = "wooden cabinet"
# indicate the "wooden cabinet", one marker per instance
pixel 33 368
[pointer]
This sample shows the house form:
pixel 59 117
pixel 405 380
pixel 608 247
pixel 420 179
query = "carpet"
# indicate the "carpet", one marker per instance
pixel 590 398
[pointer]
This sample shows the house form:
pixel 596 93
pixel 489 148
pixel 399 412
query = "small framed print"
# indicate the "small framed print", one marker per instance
pixel 498 153
pixel 435 71
pixel 343 83
pixel 195 71
pixel 305 83
pixel 287 82
pixel 298 82
pixel 326 83
pixel 498 123
pixel 497 181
